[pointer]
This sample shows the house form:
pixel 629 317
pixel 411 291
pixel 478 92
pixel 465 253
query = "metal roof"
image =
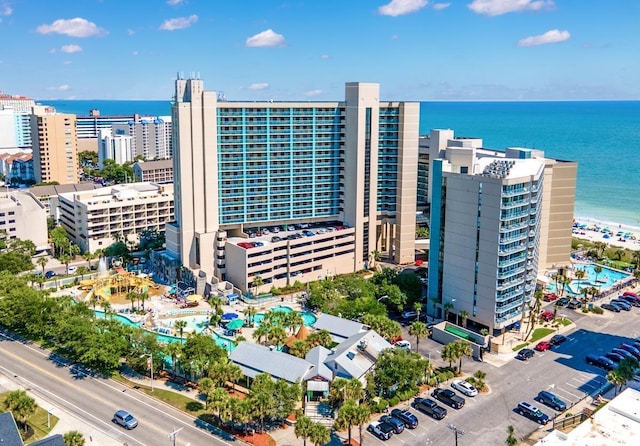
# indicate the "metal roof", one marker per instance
pixel 254 359
pixel 339 328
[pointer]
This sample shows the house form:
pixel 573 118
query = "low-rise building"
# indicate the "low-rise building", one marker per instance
pixel 98 218
pixel 22 216
pixel 157 171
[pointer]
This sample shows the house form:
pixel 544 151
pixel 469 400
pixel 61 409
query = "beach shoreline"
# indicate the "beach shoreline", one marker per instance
pixel 592 230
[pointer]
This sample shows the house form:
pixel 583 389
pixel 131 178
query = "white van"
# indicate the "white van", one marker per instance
pixel 404 345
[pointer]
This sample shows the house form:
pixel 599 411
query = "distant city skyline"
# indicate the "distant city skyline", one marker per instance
pixel 418 50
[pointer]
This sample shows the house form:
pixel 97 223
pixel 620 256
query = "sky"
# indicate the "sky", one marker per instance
pixel 417 50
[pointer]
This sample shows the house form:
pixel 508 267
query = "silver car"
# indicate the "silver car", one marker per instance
pixel 125 419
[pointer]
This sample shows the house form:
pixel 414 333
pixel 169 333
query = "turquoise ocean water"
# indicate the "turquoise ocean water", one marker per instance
pixel 603 136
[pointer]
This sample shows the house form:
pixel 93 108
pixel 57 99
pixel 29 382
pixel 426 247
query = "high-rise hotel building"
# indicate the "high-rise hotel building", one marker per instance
pixel 242 166
pixel 55 146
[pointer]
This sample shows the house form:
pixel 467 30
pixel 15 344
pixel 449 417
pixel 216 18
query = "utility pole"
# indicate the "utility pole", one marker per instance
pixel 173 435
pixel 456 432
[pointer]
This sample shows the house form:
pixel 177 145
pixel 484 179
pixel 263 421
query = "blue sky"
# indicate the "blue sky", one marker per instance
pixel 421 50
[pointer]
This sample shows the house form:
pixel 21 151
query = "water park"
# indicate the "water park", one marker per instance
pixel 602 278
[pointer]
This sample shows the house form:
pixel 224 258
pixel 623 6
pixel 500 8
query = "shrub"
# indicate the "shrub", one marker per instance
pixel 404 395
pixel 380 406
pixel 394 400
pixel 597 310
pixel 275 291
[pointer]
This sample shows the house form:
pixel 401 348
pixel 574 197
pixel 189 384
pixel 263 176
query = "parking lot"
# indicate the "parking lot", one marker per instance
pixel 561 370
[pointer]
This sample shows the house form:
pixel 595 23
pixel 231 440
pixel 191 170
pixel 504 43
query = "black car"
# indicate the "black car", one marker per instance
pixel 635 351
pixel 563 301
pixel 50 274
pixel 630 300
pixel 610 307
pixel 621 304
pixel 551 400
pixel 574 304
pixel 557 339
pixel 429 407
pixel 532 412
pixel 614 357
pixel 448 397
pixel 398 425
pixel 600 361
pixel 525 354
pixel 410 420
pixel 623 353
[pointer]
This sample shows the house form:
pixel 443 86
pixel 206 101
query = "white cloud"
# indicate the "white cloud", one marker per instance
pixel 266 38
pixel 174 2
pixel 64 87
pixel 324 56
pixel 135 53
pixel 312 93
pixel 131 32
pixel 401 7
pixel 52 50
pixel 499 7
pixel 5 9
pixel 70 48
pixel 440 6
pixel 395 37
pixel 258 86
pixel 179 23
pixel 553 36
pixel 67 62
pixel 77 27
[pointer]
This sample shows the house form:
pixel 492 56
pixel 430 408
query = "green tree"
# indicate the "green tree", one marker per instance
pixel 449 354
pixel 617 378
pixel 261 332
pixel 73 438
pixel 361 416
pixel 579 273
pixel 217 401
pixel 464 315
pixel 249 312
pixel 179 325
pixel 511 437
pixel 42 263
pixel 463 350
pixel 21 405
pixel 299 349
pixel 257 283
pixel 419 330
pixel 205 385
pixel 303 428
pixel 173 349
pixel 448 306
pixel 320 435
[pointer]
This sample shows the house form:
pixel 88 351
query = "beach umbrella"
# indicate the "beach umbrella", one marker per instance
pixel 235 324
pixel 229 316
pixel 194 298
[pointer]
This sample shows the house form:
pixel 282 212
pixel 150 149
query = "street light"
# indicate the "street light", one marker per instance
pixel 174 434
pixel 383 297
pixel 149 365
pixel 456 431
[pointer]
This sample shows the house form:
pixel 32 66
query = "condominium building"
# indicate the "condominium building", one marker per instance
pixel 15 128
pixel 55 152
pixel 97 218
pixel 151 137
pixel 116 147
pixel 47 195
pixel 560 177
pixel 20 104
pixel 22 216
pixel 158 171
pixel 243 166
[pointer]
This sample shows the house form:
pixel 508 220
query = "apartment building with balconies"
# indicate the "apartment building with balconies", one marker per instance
pixel 97 218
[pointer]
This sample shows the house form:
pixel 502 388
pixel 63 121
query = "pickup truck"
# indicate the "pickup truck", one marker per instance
pixel 448 397
pixel 429 407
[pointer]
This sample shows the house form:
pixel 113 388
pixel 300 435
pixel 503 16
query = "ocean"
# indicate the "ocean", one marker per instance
pixel 602 136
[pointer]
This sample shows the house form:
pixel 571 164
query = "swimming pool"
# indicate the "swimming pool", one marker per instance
pixel 603 280
pixel 223 342
pixel 308 318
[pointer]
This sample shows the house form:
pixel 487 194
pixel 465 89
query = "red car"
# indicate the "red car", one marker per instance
pixel 547 316
pixel 550 297
pixel 542 346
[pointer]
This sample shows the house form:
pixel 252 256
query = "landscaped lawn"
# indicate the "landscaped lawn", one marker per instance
pixel 37 421
pixel 540 333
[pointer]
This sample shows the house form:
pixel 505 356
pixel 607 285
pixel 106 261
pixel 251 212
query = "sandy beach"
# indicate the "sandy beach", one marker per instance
pixel 612 234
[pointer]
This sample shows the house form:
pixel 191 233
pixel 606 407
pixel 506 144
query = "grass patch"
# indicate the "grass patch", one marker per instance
pixel 37 421
pixel 520 346
pixel 174 399
pixel 564 321
pixel 540 333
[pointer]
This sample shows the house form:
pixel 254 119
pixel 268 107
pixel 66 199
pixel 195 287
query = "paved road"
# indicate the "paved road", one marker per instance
pixel 485 418
pixel 95 399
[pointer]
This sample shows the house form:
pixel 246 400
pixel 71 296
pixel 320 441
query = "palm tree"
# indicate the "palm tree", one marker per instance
pixel 21 405
pixel 447 308
pixel 205 385
pixel 180 325
pixel 347 417
pixel 361 416
pixel 65 259
pixel 635 255
pixel 464 315
pixel 303 428
pixel 217 401
pixel 262 331
pixel 174 349
pixel 616 378
pixel 597 269
pixel 106 307
pixel 448 354
pixel 600 247
pixel 132 296
pixel 249 312
pixel 580 273
pixel 463 348
pixel 419 330
pixel 353 389
pixel 142 296
pixel 564 281
pixel 277 336
pixel 299 349
pixel 89 256
pixel 42 262
pixel 73 438
pixel 417 307
pixel 511 439
pixel 257 283
pixel 320 435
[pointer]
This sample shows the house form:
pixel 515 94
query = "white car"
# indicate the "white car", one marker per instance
pixel 464 387
pixel 405 345
pixel 73 269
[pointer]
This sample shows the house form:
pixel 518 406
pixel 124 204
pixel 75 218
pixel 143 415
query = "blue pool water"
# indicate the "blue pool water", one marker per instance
pixel 309 318
pixel 603 281
pixel 223 342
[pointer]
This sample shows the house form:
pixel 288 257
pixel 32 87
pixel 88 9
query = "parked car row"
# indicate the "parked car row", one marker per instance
pixel 394 423
pixel 623 302
pixel 611 359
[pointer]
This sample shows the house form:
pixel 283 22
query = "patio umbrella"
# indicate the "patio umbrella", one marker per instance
pixel 235 324
pixel 229 316
pixel 194 298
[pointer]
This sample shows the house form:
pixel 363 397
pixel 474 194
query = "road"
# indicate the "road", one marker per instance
pixel 95 399
pixel 563 371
